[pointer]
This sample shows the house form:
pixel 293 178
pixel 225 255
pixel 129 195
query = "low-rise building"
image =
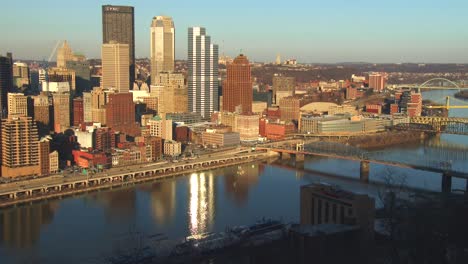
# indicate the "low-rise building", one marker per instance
pixel 172 148
pixel 221 139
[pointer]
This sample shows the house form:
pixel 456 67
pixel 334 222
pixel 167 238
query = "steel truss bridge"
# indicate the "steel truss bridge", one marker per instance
pixel 341 151
pixel 448 125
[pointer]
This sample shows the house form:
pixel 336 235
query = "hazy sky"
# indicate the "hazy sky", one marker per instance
pixel 308 30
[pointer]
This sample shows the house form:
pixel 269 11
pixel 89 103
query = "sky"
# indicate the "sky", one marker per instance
pixel 311 31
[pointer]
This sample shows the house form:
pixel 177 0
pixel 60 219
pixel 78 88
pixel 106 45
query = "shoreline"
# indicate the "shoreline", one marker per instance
pixel 385 139
pixel 37 197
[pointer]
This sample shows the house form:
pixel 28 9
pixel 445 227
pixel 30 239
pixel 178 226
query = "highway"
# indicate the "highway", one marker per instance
pixel 53 186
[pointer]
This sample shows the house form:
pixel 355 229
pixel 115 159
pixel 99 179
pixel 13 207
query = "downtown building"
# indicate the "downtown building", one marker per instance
pixel 202 73
pixel 237 88
pixel 162 46
pixel 118 26
pixel 20 147
pixel 6 82
pixel 377 81
pixel 115 66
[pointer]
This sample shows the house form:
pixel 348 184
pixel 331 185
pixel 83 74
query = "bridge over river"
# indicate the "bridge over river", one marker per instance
pixel 346 152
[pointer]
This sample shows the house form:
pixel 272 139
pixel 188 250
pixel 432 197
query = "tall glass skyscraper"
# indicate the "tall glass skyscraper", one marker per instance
pixel 202 73
pixel 118 24
pixel 162 46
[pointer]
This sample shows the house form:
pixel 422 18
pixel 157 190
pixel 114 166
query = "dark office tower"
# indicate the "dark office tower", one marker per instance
pixel 6 82
pixel 82 75
pixel 202 73
pixel 237 88
pixel 118 24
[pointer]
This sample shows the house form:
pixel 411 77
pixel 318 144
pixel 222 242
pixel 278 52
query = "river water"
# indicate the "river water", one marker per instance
pixel 88 228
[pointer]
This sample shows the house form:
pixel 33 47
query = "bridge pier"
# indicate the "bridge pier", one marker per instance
pixel 364 171
pixel 285 156
pixel 446 183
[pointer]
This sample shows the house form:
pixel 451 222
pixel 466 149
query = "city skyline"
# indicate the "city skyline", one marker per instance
pixel 316 32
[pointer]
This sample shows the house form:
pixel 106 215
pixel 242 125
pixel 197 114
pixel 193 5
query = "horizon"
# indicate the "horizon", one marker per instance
pixel 381 33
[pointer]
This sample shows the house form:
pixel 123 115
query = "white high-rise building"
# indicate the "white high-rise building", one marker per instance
pixel 162 46
pixel 202 73
pixel 115 65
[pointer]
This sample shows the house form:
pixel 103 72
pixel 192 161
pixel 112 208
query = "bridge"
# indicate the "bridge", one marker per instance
pixel 345 152
pixel 446 103
pixel 435 124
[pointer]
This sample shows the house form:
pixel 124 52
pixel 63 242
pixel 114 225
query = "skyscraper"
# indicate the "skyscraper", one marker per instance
pixel 120 114
pixel 162 46
pixel 64 54
pixel 118 24
pixel 283 86
pixel 237 88
pixel 6 82
pixel 202 73
pixel 115 67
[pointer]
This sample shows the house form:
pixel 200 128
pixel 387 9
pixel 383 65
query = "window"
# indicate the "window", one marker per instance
pixel 319 212
pixel 334 213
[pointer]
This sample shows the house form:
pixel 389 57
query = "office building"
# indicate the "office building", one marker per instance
pixel 64 54
pixel 325 204
pixel 61 112
pixel 172 148
pixel 290 107
pixel 160 127
pixel 283 86
pixel 44 159
pixel 20 148
pixel 42 113
pixel 6 82
pixel 171 92
pixel 118 25
pixel 247 126
pixel 21 78
pixel 114 67
pixel 186 118
pixel 78 111
pixel 377 81
pixel 202 73
pixel 237 88
pixel 162 46
pixel 220 139
pixel 99 99
pixel 82 75
pixel 87 107
pixel 104 139
pixel 62 75
pixel 120 114
pixel 17 104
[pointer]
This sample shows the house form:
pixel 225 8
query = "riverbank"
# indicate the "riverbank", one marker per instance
pixel 462 95
pixel 51 192
pixel 386 139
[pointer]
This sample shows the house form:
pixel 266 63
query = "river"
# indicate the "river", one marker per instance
pixel 88 228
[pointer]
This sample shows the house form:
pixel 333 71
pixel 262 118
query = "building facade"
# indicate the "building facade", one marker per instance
pixel 20 148
pixel 61 112
pixel 118 25
pixel 120 114
pixel 162 46
pixel 115 67
pixel 17 104
pixel 202 73
pixel 64 54
pixel 283 86
pixel 237 88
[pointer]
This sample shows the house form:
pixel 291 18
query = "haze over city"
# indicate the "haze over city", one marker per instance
pixel 243 132
pixel 311 31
